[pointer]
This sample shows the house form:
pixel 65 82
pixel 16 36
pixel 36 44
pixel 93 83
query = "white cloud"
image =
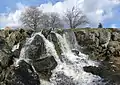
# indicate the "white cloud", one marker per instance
pixel 96 10
pixel 12 19
pixel 113 26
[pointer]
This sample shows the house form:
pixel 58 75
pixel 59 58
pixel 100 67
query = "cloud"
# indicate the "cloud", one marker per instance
pixel 113 26
pixel 12 19
pixel 96 10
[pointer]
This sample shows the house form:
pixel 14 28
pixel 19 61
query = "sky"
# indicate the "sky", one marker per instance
pixel 105 11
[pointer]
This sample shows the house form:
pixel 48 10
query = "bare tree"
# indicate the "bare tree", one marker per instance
pixel 75 17
pixel 52 20
pixel 31 18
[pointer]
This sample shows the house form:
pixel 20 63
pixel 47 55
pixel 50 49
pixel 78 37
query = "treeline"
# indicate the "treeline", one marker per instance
pixel 35 19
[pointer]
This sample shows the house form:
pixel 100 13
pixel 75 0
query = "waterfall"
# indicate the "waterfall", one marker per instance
pixel 70 36
pixel 69 71
pixel 72 67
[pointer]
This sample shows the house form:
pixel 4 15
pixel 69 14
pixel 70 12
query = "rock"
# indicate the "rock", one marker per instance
pixel 46 32
pixel 104 36
pixel 6 55
pixel 36 49
pixel 115 36
pixel 15 37
pixel 29 32
pixel 22 75
pixel 114 48
pixel 47 63
pixel 92 69
pixel 2 42
pixel 75 51
pixel 44 66
pixel 36 52
pixel 53 38
pixel 6 60
pixel 62 79
pixel 107 71
pixel 16 53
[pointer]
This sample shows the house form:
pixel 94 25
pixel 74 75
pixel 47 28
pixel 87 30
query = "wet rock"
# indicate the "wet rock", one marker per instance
pixel 29 32
pixel 44 66
pixel 75 51
pixel 5 54
pixel 16 53
pixel 53 38
pixel 36 49
pixel 62 79
pixel 36 52
pixel 47 63
pixel 46 32
pixel 22 75
pixel 105 71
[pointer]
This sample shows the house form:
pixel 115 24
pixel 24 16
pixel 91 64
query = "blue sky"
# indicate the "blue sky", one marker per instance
pixel 11 4
pixel 104 11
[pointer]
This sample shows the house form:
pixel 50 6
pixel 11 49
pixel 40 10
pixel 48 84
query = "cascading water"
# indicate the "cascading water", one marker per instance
pixel 69 70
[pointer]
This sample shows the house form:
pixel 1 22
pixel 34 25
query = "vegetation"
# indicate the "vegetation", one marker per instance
pixel 34 18
pixel 74 17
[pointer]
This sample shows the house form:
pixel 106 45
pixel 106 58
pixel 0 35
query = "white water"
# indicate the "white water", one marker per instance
pixel 71 65
pixel 15 47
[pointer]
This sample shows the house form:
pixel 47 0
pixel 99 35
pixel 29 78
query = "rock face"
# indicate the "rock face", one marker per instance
pixel 36 49
pixel 53 38
pixel 24 73
pixel 102 45
pixel 37 53
pixel 99 43
pixel 107 71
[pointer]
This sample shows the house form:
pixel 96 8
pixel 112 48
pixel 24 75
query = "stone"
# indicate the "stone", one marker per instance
pixel 75 51
pixel 115 36
pixel 22 75
pixel 62 79
pixel 36 49
pixel 48 63
pixel 105 36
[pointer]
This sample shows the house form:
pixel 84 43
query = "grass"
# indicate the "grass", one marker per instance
pixel 90 29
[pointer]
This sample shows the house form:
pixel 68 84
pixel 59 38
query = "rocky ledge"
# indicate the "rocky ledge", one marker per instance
pixel 102 45
pixel 17 71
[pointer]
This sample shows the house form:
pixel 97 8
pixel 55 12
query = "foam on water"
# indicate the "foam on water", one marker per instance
pixel 71 65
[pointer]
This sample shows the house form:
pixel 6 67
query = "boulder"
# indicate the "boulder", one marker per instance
pixel 105 36
pixel 115 36
pixel 36 49
pixel 76 52
pixel 107 71
pixel 44 67
pixel 47 63
pixel 22 75
pixel 6 55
